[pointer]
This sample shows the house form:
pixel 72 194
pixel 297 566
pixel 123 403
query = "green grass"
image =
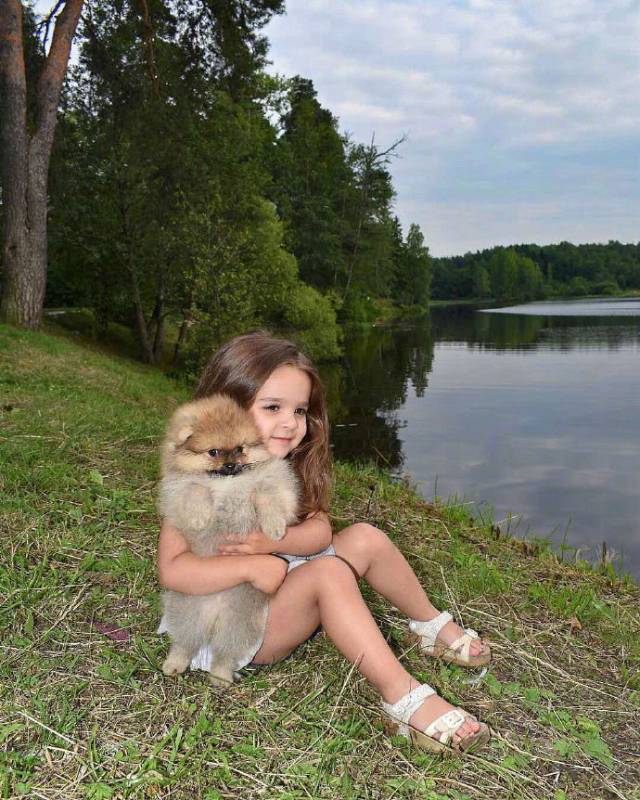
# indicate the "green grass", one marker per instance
pixel 83 716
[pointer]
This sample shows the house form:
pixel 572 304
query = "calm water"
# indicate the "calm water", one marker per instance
pixel 533 411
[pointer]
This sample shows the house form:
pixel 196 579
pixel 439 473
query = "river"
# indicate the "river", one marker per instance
pixel 531 413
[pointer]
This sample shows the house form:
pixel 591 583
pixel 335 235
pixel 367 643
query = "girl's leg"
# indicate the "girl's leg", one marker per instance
pixel 324 591
pixel 386 570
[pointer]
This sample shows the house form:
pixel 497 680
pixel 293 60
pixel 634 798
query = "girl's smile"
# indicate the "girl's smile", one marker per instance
pixel 280 409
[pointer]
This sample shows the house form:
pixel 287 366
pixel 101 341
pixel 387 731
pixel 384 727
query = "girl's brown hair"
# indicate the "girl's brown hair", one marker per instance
pixel 241 366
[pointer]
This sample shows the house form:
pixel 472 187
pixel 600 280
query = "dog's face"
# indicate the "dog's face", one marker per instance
pixel 212 436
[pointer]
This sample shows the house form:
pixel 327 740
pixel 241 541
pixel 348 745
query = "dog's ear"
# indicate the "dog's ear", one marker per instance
pixel 183 424
pixel 184 432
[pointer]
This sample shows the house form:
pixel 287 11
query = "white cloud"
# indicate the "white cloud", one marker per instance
pixel 482 82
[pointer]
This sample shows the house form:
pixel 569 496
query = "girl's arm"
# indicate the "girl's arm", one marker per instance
pixel 179 569
pixel 310 536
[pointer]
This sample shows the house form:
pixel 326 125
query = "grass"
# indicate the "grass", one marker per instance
pixel 87 716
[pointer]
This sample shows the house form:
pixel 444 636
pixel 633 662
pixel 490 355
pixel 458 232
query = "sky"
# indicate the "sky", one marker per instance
pixel 521 117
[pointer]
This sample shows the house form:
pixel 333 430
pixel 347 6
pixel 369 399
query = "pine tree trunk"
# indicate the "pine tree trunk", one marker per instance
pixel 25 161
pixel 187 321
pixel 141 322
pixel 158 334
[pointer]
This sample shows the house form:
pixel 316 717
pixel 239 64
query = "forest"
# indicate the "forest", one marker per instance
pixel 191 195
pixel 188 194
pixel 530 271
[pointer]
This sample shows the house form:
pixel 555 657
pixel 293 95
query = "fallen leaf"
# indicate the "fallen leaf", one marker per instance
pixel 113 631
pixel 574 624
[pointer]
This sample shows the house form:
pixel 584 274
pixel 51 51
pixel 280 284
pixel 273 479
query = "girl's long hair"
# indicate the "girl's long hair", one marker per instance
pixel 241 366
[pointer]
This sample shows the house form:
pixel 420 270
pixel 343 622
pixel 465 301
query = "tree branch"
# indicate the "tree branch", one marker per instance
pixel 50 81
pixel 46 23
pixel 149 36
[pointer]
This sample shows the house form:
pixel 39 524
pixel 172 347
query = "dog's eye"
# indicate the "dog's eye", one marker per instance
pixel 237 451
pixel 214 453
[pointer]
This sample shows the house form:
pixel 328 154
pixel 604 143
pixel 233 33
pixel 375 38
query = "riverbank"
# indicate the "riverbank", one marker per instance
pixel 90 714
pixel 491 301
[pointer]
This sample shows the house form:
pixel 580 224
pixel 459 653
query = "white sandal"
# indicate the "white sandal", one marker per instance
pixel 437 735
pixel 457 652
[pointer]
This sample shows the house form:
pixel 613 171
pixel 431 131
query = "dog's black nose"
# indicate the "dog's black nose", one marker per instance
pixel 230 469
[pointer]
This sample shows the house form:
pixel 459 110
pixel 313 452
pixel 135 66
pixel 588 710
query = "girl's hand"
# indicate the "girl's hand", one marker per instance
pixel 269 573
pixel 252 544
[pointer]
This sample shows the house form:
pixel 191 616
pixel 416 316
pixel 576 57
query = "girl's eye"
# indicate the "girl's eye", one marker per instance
pixel 272 407
pixel 301 411
pixel 214 453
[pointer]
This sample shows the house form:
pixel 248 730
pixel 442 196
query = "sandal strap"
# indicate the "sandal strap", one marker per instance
pixel 444 727
pixel 403 709
pixel 462 645
pixel 429 629
pixel 441 729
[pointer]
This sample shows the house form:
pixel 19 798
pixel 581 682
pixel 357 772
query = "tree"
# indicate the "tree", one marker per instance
pixel 503 272
pixel 162 141
pixel 481 285
pixel 26 153
pixel 413 270
pixel 311 184
pixel 369 234
pixel 529 279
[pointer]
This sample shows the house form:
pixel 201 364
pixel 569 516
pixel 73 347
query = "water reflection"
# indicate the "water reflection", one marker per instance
pixel 524 332
pixel 531 414
pixel 369 385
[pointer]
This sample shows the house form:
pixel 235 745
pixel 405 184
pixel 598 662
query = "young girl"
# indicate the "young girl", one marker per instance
pixel 318 585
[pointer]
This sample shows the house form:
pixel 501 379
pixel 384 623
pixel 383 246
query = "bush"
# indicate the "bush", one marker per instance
pixel 313 317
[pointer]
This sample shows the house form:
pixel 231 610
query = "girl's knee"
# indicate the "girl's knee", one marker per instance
pixel 366 539
pixel 329 571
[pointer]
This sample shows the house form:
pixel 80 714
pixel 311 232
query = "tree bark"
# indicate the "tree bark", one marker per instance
pixel 158 320
pixel 141 322
pixel 25 160
pixel 187 321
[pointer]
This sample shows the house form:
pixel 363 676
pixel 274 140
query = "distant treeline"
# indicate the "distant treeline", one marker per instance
pixel 530 271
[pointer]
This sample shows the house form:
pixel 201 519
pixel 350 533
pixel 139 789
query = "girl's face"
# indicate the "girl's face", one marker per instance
pixel 280 409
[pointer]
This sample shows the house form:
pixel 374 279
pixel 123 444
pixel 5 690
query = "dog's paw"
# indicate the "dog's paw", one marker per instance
pixel 174 665
pixel 275 528
pixel 219 676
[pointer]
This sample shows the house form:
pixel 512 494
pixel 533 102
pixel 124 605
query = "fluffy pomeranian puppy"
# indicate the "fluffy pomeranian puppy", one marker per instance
pixel 219 479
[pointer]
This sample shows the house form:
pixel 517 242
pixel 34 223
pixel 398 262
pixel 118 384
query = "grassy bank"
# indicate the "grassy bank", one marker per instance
pixel 85 715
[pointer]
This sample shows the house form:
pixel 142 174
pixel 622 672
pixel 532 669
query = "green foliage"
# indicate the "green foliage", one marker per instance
pixel 171 139
pixel 311 182
pixel 481 283
pixel 513 277
pixel 562 269
pixel 412 268
pixel 313 318
pixel 335 197
pixel 248 279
